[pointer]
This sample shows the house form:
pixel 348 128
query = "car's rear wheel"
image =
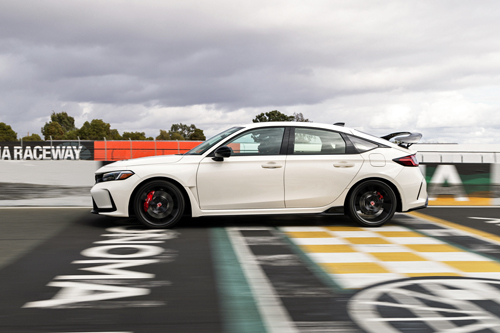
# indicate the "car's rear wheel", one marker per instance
pixel 159 204
pixel 371 203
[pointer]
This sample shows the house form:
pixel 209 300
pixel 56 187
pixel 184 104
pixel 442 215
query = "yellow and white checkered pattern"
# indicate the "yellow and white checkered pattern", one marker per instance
pixel 356 257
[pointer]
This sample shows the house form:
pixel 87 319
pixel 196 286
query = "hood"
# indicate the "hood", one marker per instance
pixel 120 165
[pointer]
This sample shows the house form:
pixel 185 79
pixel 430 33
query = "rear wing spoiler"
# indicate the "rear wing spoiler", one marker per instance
pixel 403 139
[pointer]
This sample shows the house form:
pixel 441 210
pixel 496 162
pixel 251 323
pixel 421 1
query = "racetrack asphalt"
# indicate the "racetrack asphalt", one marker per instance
pixel 66 270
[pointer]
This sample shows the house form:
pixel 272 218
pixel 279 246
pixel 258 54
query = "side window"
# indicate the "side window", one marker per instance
pixel 261 141
pixel 318 142
pixel 362 145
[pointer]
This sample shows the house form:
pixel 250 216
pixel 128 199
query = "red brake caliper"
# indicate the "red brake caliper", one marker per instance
pixel 148 199
pixel 380 196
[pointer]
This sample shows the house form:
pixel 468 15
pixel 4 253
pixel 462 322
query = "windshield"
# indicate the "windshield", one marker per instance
pixel 202 148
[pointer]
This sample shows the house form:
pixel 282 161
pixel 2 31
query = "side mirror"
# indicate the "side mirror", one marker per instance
pixel 221 153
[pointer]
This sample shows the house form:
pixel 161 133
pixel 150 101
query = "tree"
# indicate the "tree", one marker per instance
pixel 197 135
pixel 53 130
pixel 299 117
pixel 164 135
pixel 7 133
pixel 66 122
pixel 272 116
pixel 176 136
pixel 72 135
pixel 115 135
pixel 185 132
pixel 97 129
pixel 135 136
pixel 32 137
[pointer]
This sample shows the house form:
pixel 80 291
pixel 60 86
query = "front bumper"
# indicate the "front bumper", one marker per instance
pixel 104 204
pixel 112 198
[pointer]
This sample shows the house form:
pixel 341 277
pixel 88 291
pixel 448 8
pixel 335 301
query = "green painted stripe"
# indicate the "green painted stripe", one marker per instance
pixel 240 312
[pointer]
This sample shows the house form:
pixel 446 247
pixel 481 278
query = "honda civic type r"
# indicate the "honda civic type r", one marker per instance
pixel 269 168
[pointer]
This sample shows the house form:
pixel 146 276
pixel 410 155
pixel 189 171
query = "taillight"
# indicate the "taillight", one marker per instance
pixel 410 160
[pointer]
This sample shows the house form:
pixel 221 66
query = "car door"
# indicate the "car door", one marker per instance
pixel 319 167
pixel 251 178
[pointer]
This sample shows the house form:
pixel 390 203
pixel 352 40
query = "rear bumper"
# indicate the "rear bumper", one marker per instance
pixel 413 189
pixel 420 207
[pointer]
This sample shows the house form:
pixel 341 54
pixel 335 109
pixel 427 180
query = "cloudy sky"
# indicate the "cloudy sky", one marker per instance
pixel 379 66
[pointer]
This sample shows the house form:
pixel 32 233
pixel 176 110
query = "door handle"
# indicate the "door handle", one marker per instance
pixel 271 165
pixel 343 164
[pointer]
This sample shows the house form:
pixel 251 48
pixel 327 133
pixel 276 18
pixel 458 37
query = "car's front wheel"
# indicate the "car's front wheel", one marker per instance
pixel 159 204
pixel 371 203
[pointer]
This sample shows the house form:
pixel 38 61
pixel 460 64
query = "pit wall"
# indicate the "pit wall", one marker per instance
pixel 47 183
pixel 455 174
pixel 461 175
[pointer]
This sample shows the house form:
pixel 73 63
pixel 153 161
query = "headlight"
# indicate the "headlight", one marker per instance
pixel 115 175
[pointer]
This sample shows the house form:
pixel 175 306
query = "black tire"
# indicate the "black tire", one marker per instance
pixel 159 204
pixel 371 203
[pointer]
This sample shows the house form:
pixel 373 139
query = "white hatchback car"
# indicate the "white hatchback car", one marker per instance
pixel 269 168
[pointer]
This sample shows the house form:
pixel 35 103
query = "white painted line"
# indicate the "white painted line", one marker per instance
pixel 414 240
pixel 446 319
pixel 380 248
pixel 352 234
pixel 342 257
pixel 275 317
pixel 320 241
pixel 361 280
pixel 301 229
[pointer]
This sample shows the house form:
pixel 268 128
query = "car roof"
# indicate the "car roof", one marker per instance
pixel 336 128
pixel 299 124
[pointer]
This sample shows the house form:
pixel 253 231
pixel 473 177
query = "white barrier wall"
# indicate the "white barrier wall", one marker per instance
pixel 457 153
pixel 47 183
pixel 461 174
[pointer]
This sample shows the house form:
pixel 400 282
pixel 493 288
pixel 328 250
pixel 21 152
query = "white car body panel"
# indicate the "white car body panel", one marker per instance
pixel 318 180
pixel 242 182
pixel 265 184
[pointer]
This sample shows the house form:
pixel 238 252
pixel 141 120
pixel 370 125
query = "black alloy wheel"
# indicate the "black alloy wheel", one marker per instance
pixel 371 203
pixel 159 204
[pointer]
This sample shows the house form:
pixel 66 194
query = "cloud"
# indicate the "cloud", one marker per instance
pixel 143 65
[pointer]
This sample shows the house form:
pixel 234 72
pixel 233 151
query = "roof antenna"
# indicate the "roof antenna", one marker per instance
pixel 339 124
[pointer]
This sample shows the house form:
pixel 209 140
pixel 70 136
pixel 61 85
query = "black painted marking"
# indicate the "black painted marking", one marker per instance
pixel 388 306
pixel 454 237
pixel 461 216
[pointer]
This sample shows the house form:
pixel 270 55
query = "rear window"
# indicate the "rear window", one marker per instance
pixel 362 145
pixel 317 142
